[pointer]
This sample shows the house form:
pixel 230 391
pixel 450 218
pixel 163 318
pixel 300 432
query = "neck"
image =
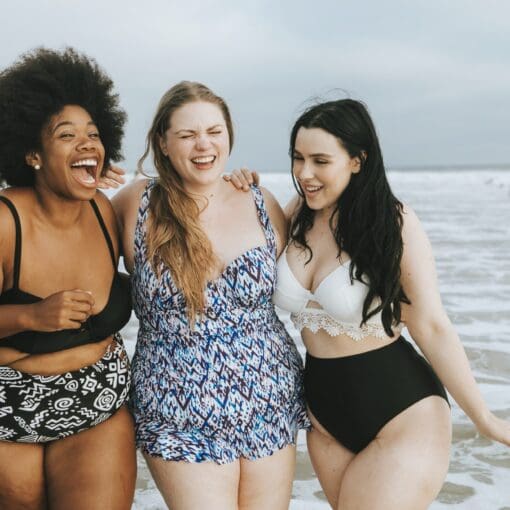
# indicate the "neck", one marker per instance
pixel 203 195
pixel 59 211
pixel 323 216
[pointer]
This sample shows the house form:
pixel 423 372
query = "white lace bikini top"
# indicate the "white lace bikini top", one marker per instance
pixel 341 302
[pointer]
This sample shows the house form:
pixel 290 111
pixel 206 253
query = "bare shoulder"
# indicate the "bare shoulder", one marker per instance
pixel 20 199
pixel 292 207
pixel 106 210
pixel 270 200
pixel 7 227
pixel 277 217
pixel 128 198
pixel 411 225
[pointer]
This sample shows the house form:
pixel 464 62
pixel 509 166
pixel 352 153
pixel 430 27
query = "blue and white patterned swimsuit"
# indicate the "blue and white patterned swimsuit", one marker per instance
pixel 230 388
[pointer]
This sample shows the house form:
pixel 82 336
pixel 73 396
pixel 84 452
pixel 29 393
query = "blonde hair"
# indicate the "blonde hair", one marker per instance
pixel 174 234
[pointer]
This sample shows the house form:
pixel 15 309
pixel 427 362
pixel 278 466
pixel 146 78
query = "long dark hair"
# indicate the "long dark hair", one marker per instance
pixel 367 219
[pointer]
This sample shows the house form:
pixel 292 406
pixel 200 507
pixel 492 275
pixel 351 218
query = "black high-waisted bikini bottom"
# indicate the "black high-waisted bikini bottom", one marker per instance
pixel 353 397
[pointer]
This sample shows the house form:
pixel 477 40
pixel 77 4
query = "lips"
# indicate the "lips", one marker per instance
pixel 85 171
pixel 310 190
pixel 203 162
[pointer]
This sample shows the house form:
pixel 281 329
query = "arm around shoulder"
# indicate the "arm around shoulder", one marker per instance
pixel 126 202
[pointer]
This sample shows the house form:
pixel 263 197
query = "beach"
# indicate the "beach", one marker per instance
pixel 467 217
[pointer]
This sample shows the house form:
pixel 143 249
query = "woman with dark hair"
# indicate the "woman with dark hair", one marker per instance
pixel 358 267
pixel 66 436
pixel 217 381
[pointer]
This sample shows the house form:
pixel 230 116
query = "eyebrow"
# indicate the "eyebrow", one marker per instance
pixel 216 126
pixel 316 154
pixel 69 123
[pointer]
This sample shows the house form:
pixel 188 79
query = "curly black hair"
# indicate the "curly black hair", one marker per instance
pixel 368 216
pixel 39 85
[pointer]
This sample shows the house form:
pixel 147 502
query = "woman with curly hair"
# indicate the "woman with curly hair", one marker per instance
pixel 66 436
pixel 217 381
pixel 358 267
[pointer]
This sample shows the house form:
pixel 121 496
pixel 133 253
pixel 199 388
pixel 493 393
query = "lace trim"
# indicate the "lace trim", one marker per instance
pixel 319 319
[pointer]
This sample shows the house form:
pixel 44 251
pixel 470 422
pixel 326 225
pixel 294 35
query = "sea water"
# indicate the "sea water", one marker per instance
pixel 467 217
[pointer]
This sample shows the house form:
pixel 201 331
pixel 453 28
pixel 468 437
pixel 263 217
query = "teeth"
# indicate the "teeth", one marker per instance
pixel 85 162
pixel 312 188
pixel 88 179
pixel 205 159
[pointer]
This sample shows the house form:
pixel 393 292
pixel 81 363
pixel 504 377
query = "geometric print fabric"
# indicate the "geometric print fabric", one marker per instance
pixel 228 387
pixel 37 409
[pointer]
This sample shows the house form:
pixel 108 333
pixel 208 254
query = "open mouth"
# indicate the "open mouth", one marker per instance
pixel 203 162
pixel 85 171
pixel 310 190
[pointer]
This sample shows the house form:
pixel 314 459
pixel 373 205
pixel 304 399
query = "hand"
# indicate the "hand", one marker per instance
pixel 63 310
pixel 112 178
pixel 495 428
pixel 242 178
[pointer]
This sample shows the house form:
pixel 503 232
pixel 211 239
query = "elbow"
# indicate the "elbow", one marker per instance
pixel 430 328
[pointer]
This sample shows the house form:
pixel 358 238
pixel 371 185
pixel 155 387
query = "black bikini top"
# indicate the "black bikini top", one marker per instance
pixel 109 320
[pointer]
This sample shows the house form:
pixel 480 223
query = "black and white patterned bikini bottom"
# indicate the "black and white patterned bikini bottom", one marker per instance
pixel 43 408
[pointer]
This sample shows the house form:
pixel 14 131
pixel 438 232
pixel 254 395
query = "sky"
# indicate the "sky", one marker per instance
pixel 435 75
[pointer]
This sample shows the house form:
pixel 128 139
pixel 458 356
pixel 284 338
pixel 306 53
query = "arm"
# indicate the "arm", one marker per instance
pixel 125 204
pixel 278 220
pixel 62 310
pixel 432 330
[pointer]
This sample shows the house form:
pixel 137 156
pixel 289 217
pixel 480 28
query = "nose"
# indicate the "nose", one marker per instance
pixel 303 170
pixel 85 143
pixel 203 142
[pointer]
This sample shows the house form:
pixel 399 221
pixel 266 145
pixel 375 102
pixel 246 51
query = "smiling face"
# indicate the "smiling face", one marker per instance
pixel 322 167
pixel 72 154
pixel 197 143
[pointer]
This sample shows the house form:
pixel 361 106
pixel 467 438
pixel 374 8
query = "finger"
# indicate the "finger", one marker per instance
pixel 247 174
pixel 81 307
pixel 236 181
pixel 78 317
pixel 117 170
pixel 111 183
pixel 83 296
pixel 116 176
pixel 226 177
pixel 73 325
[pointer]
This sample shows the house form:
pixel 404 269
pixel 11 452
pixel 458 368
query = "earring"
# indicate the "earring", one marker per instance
pixel 37 167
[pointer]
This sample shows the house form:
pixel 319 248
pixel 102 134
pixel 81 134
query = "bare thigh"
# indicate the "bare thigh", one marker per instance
pixel 267 482
pixel 329 459
pixel 193 486
pixel 22 476
pixel 94 469
pixel 404 467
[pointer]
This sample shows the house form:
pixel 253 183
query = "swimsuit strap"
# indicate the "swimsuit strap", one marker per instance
pixel 105 231
pixel 264 218
pixel 140 246
pixel 17 243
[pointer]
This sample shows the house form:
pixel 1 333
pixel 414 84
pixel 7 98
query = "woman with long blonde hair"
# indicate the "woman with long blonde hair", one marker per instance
pixel 217 380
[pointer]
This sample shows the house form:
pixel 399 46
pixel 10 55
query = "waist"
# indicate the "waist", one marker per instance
pixel 55 363
pixel 215 319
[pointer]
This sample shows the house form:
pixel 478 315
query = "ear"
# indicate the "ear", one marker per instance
pixel 33 159
pixel 357 162
pixel 162 145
